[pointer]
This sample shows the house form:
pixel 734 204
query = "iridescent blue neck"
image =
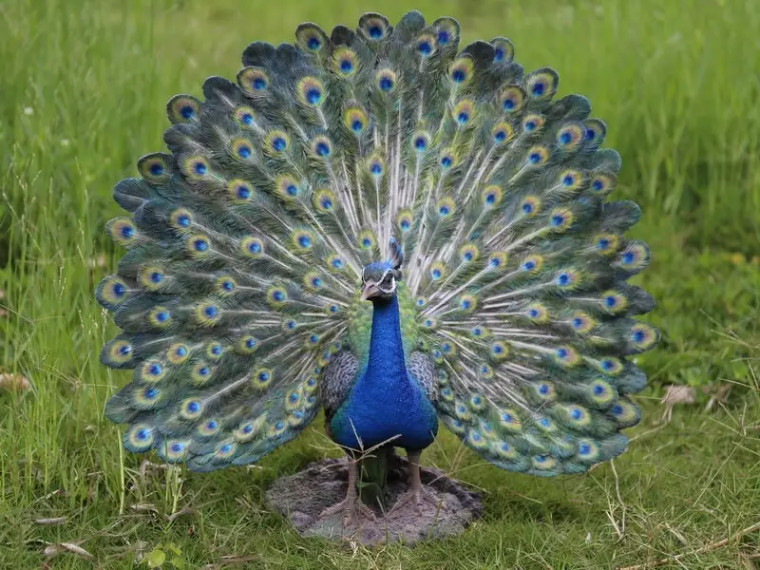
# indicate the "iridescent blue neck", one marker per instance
pixel 386 349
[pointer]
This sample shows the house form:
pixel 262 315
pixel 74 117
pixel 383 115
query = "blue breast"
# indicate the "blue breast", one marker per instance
pixel 386 402
pixel 396 408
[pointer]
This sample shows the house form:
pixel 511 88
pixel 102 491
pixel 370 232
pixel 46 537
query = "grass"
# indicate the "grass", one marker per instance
pixel 81 96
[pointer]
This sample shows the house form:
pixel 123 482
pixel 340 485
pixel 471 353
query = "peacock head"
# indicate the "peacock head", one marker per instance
pixel 380 279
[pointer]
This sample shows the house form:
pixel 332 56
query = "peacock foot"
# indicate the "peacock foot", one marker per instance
pixel 416 498
pixel 355 513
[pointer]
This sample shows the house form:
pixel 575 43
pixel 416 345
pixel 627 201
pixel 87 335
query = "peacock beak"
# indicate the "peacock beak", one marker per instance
pixel 370 290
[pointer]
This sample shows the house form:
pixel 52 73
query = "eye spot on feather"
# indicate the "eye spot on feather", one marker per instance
pixel 344 61
pixel 152 371
pixel 462 411
pixel 120 351
pixel 530 206
pixel 497 259
pixel 180 219
pixel 310 37
pixel 323 201
pixel 367 240
pixel 611 366
pixel 207 314
pixel 404 220
pixel 277 428
pixel 375 166
pixel 533 123
pixel 575 415
pixel 614 302
pixel 385 80
pixel 122 230
pixel 313 281
pixel 159 317
pixel 545 392
pixel 634 257
pixel 209 428
pixel 560 219
pixel 191 409
pixel 461 71
pixel 447 159
pixel 468 253
pixel 446 207
pixel 262 378
pixel 502 132
pixel 244 116
pixel 567 279
pixel 139 438
pixel 247 344
pixel 253 80
pixel 177 353
pixel 503 50
pixel 468 303
pixel 532 264
pixel 537 156
pixel 302 240
pixel 214 350
pixel 643 336
pixel 543 462
pixel 276 142
pixel 601 392
pixel 420 141
pixel 476 440
pixel 154 168
pixel 509 421
pixel 594 131
pixel 512 99
pixel 582 323
pixel 241 149
pixel 537 313
pixel 198 245
pixel 239 191
pixel 570 137
pixel 602 184
pixel 194 167
pixel 570 179
pixel 374 27
pixel 425 45
pixel 201 373
pixel 542 84
pixel 491 196
pixel 112 291
pixel 251 247
pixel 606 244
pixel 437 270
pixel 486 372
pixel 277 296
pixel 355 120
pixel 566 356
pixel 463 112
pixel 335 262
pixel 311 91
pixel 183 108
pixel 625 413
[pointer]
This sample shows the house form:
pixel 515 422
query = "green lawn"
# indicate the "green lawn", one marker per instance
pixel 82 92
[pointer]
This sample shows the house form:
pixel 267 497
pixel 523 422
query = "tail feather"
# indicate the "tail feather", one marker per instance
pixel 245 244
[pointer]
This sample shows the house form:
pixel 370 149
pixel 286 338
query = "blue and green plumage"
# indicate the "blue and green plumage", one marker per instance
pixel 511 317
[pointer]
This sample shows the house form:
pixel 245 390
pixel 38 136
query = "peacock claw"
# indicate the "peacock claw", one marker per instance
pixel 418 497
pixel 354 512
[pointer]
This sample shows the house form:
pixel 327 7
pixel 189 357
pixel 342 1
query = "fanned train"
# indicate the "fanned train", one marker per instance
pixel 381 224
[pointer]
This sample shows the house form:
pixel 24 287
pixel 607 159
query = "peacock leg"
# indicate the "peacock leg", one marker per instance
pixel 416 494
pixel 352 507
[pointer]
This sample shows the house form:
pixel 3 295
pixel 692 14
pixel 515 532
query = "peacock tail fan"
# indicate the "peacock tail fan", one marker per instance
pixel 245 246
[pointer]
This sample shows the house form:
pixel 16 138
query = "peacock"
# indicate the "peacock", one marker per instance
pixel 381 225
